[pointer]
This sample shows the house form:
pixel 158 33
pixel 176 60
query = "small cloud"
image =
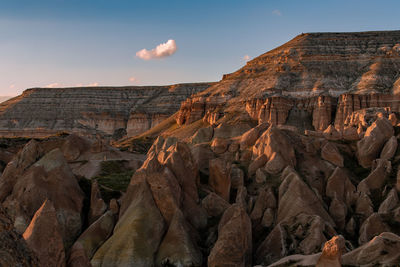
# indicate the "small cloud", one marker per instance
pixel 53 85
pixel 133 79
pixel 246 58
pixel 12 86
pixel 162 50
pixel 87 85
pixel 277 12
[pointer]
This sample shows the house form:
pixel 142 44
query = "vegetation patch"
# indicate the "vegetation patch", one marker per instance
pixel 113 177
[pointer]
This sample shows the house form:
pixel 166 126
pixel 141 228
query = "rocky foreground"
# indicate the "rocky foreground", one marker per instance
pixel 291 161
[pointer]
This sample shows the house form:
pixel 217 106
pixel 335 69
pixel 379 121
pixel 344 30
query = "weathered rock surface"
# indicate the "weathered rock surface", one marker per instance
pixel 234 244
pixel 332 252
pixel 13 249
pixel 220 179
pixel 43 236
pixel 140 221
pixel 332 154
pixel 381 250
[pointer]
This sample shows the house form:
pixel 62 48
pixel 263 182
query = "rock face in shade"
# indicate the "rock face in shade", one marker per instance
pixel 44 238
pixel 13 249
pixel 91 110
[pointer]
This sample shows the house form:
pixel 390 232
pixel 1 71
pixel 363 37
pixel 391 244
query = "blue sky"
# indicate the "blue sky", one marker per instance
pixel 94 42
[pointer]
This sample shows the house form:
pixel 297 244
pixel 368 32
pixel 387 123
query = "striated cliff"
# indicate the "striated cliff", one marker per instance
pixel 316 78
pixel 92 110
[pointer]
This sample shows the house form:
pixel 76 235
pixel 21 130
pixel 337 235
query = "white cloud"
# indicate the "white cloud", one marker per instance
pixel 12 86
pixel 277 12
pixel 246 58
pixel 133 79
pixel 162 50
pixel 87 85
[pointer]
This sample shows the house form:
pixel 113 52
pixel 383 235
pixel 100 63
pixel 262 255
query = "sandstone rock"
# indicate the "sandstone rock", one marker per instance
pixel 114 206
pixel 393 119
pixel 141 220
pixel 297 260
pixel 91 239
pixel 268 218
pixel 373 226
pixel 340 186
pixel 351 227
pixel 370 146
pixel 44 238
pixel 389 149
pixel 274 141
pixel 202 154
pixel 97 204
pixel 203 135
pixel 331 153
pixel 31 152
pixel 376 179
pixel 275 164
pixel 389 203
pixel 338 211
pixel 259 162
pixel 296 197
pixel 219 145
pixel 266 199
pixel 13 249
pixel 237 177
pixel 301 234
pixel 74 146
pixel 177 247
pixel 225 130
pixel 220 180
pixel 261 178
pixel 332 252
pixel 364 206
pixel 331 133
pixel 51 178
pixel 214 204
pixel 350 134
pixel 234 244
pixel 382 250
pixel 241 197
pixel 398 181
pixel 250 137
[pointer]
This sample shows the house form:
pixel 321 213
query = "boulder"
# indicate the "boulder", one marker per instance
pixel 389 149
pixel 97 204
pixel 220 180
pixel 261 177
pixel 51 178
pixel 259 162
pixel 340 186
pixel 350 134
pixel 219 145
pixel 249 138
pixel 140 220
pixel 266 199
pixel 370 146
pixel 332 252
pixel 275 144
pixel 203 135
pixel 301 234
pixel 237 177
pixel 382 250
pixel 214 205
pixel 275 164
pixel 372 226
pixel 376 179
pixel 332 154
pixel 338 211
pixel 391 202
pixel 296 197
pixel 330 133
pixel 177 247
pixel 202 154
pixel 44 238
pixel 268 218
pixel 234 244
pixel 74 146
pixel 91 239
pixel 364 206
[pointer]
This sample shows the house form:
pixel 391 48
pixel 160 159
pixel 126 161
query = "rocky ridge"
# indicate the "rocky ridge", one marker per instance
pixel 92 110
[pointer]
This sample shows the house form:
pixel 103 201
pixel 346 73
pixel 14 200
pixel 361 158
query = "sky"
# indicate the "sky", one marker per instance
pixel 63 43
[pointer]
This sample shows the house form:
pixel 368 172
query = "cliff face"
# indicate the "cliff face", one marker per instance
pixel 103 110
pixel 316 79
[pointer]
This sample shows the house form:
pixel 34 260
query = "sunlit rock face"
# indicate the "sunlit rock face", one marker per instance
pixel 92 110
pixel 316 79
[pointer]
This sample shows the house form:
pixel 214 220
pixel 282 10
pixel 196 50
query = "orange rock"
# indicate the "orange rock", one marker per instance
pixel 44 238
pixel 332 252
